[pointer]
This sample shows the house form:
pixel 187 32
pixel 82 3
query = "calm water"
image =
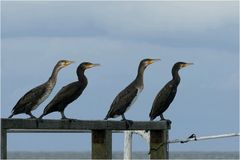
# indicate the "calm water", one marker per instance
pixel 119 155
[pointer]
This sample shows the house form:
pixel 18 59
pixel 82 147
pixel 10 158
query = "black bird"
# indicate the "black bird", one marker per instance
pixel 69 93
pixel 127 97
pixel 166 95
pixel 33 98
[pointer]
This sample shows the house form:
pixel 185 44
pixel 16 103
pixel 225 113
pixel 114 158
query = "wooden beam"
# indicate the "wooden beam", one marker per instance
pixel 101 144
pixel 101 133
pixel 158 142
pixel 81 125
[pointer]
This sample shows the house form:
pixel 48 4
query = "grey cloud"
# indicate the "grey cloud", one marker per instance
pixel 128 18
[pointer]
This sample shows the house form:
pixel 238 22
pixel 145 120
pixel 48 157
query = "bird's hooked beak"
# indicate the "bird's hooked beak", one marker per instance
pixel 187 64
pixel 151 61
pixel 93 65
pixel 68 63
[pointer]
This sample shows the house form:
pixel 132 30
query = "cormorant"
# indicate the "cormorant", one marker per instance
pixel 166 95
pixel 69 93
pixel 127 97
pixel 33 98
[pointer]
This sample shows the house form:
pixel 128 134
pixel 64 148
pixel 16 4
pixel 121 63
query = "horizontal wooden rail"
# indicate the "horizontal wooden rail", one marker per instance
pixel 47 124
pixel 101 131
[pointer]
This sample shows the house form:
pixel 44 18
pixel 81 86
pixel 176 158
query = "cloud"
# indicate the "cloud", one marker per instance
pixel 116 17
pixel 176 24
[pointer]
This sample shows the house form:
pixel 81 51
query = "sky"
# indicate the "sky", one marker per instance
pixel 118 35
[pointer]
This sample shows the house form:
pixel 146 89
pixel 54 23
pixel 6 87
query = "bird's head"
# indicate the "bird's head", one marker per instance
pixel 180 65
pixel 145 62
pixel 64 63
pixel 87 65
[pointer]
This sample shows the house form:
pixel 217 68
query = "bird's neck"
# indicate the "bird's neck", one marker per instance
pixel 81 77
pixel 176 76
pixel 53 77
pixel 140 74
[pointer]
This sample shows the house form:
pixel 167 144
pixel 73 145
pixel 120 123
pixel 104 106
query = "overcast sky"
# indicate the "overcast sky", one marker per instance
pixel 35 35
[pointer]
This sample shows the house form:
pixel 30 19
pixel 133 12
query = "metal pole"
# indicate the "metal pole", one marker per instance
pixel 127 145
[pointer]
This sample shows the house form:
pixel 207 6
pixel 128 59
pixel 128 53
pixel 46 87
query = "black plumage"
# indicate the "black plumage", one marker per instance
pixel 166 95
pixel 33 98
pixel 127 97
pixel 69 93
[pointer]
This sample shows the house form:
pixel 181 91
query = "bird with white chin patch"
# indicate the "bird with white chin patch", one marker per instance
pixel 128 96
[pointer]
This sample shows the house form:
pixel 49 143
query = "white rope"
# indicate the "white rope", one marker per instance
pixel 146 137
pixel 194 138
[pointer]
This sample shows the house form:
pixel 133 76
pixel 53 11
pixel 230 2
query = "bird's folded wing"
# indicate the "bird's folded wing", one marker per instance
pixel 31 96
pixel 66 92
pixel 123 100
pixel 163 99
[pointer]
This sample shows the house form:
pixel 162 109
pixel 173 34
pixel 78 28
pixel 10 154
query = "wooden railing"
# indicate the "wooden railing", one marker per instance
pixel 101 133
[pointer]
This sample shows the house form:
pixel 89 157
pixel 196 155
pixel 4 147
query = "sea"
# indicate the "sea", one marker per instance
pixel 119 155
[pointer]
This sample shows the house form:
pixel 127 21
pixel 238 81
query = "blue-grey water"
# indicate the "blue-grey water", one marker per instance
pixel 119 155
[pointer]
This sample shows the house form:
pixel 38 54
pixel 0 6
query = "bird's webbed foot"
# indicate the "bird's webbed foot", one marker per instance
pixel 39 120
pixel 72 120
pixel 69 119
pixel 32 116
pixel 163 119
pixel 128 123
pixel 169 122
pixel 65 118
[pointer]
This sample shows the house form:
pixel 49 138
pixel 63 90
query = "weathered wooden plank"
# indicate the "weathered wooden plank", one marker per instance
pixel 3 144
pixel 101 133
pixel 101 144
pixel 81 124
pixel 158 140
pixel 47 131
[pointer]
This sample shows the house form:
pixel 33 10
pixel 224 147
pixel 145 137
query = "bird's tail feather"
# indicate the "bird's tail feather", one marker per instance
pixel 11 115
pixel 152 117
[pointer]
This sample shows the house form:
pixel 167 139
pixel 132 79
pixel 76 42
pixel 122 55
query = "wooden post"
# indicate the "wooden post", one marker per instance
pixel 158 139
pixel 101 144
pixel 3 143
